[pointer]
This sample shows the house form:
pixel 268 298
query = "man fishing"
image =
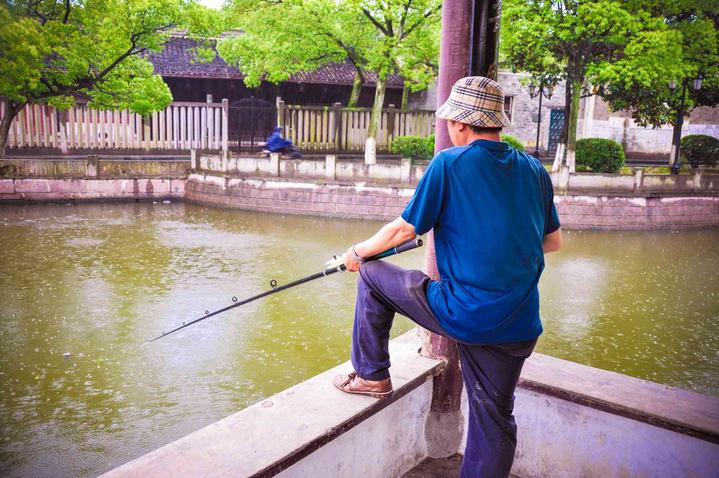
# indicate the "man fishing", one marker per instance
pixel 492 212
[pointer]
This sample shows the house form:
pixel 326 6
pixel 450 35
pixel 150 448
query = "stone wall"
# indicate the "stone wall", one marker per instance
pixel 637 213
pixel 303 198
pixel 576 211
pixel 90 189
pixel 94 167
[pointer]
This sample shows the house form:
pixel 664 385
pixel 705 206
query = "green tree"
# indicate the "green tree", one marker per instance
pixel 54 52
pixel 566 39
pixel 284 37
pixel 405 31
pixel 689 48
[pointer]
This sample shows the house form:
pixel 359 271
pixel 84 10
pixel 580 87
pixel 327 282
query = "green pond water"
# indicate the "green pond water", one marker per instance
pixel 96 280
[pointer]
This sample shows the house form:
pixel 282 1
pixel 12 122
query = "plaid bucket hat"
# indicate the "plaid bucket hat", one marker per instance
pixel 477 101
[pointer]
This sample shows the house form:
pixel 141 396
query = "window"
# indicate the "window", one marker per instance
pixel 508 104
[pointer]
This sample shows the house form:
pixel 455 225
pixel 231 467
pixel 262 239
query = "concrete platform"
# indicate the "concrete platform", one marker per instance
pixel 439 468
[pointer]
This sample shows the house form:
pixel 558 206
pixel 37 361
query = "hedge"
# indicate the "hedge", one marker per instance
pixel 422 149
pixel 699 149
pixel 600 155
pixel 415 147
pixel 513 142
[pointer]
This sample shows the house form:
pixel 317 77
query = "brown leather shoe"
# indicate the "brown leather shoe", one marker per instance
pixel 351 383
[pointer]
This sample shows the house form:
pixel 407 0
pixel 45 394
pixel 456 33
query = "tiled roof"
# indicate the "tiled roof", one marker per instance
pixel 176 61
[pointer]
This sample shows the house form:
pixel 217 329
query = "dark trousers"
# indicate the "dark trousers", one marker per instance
pixel 490 372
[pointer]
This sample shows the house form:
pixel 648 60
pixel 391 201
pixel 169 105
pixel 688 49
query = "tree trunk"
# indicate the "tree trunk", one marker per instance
pixel 12 108
pixel 405 95
pixel 572 118
pixel 370 153
pixel 356 89
pixel 377 107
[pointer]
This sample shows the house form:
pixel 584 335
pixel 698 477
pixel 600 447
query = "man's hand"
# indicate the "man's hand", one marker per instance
pixel 390 235
pixel 349 262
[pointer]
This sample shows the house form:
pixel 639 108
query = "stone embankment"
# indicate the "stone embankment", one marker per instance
pixel 350 189
pixel 355 190
pixel 92 179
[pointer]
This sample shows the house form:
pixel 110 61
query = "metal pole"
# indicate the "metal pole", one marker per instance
pixel 539 120
pixel 678 129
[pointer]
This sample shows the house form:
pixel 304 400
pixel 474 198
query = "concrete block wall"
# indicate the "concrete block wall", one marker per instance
pixel 94 167
pixel 576 211
pixel 90 189
pixel 636 213
pixel 287 197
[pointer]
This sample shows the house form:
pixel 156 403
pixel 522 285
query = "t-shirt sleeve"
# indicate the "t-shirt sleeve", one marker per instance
pixel 425 208
pixel 551 218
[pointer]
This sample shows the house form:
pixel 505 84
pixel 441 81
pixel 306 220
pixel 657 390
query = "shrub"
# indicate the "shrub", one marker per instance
pixel 600 155
pixel 700 149
pixel 415 147
pixel 513 142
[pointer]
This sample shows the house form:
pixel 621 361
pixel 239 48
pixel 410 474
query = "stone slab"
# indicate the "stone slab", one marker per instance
pixel 660 405
pixel 277 432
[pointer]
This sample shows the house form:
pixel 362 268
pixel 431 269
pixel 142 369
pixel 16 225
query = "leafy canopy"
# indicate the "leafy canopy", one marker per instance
pixel 54 51
pixel 683 46
pixel 281 38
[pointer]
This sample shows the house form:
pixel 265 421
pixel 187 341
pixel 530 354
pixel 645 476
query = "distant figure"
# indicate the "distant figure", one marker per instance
pixel 277 144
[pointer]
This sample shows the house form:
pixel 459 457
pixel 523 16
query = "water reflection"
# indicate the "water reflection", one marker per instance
pixel 84 286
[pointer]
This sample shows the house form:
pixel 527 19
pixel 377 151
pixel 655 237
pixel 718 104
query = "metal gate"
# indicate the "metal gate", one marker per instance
pixel 556 130
pixel 251 121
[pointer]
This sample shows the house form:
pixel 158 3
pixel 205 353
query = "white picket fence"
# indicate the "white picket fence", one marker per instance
pixel 181 126
pixel 334 128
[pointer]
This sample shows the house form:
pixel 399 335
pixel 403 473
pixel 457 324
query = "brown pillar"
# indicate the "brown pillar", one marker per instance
pixel 444 426
pixel 470 33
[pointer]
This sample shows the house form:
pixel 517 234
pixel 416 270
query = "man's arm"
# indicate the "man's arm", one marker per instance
pixel 552 241
pixel 390 235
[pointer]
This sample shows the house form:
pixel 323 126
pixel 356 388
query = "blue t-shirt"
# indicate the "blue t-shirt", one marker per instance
pixel 490 206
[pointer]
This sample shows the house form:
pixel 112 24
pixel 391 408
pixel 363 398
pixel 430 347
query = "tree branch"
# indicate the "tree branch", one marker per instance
pixel 67 12
pixel 375 22
pixel 404 18
pixel 420 22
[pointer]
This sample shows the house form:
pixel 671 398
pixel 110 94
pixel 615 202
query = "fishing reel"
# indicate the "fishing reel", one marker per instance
pixel 335 263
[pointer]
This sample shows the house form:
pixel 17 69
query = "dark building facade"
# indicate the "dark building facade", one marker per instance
pixel 193 81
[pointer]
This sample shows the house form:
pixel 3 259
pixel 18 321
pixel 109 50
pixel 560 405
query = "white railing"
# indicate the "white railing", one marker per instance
pixel 334 128
pixel 180 126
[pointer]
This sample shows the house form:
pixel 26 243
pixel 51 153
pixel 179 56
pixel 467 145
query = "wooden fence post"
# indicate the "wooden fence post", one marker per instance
pixel 146 132
pixel 390 125
pixel 337 113
pixel 62 119
pixel 225 122
pixel 281 114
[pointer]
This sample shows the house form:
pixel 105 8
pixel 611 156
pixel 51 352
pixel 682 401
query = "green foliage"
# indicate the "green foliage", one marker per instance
pixel 592 45
pixel 681 42
pixel 513 142
pixel 600 155
pixel 699 149
pixel 414 147
pixel 281 39
pixel 54 51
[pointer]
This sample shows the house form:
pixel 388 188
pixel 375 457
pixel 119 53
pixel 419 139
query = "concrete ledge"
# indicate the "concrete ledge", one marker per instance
pixel 94 167
pixel 20 190
pixel 675 409
pixel 271 436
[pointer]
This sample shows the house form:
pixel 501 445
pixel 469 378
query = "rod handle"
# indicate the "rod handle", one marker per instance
pixel 404 247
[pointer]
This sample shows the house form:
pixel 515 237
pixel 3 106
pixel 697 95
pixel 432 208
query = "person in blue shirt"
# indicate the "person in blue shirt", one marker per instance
pixel 277 144
pixel 492 212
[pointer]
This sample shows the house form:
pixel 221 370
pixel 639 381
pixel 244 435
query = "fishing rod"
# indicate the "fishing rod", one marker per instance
pixel 334 266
